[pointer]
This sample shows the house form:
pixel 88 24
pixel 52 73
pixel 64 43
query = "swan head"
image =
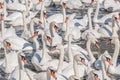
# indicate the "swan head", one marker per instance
pixel 2 16
pixel 44 14
pixel 51 73
pixel 106 57
pixel 53 26
pixel 95 75
pixel 64 5
pixel 35 34
pixel 8 45
pixel 80 59
pixel 92 39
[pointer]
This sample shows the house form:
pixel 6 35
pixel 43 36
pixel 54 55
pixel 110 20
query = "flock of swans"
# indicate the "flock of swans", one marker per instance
pixel 51 41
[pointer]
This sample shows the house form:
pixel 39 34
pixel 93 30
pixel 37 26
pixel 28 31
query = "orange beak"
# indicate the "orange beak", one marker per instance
pixel 9 46
pixel 64 5
pixel 39 1
pixel 48 39
pixel 97 45
pixel 1 6
pixel 92 1
pixel 108 42
pixel 35 34
pixel 44 15
pixel 53 75
pixel 24 60
pixel 109 61
pixel 116 1
pixel 56 28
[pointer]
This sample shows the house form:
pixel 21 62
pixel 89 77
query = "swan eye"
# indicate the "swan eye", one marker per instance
pixel 108 59
pixel 95 75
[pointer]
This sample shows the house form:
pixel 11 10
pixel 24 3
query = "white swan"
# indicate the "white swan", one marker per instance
pixel 19 6
pixel 90 28
pixel 25 34
pixel 74 31
pixel 40 56
pixel 50 65
pixel 55 38
pixel 111 63
pixel 10 61
pixel 74 4
pixel 79 68
pixel 20 72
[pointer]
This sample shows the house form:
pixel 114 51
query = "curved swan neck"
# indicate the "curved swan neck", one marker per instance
pixel 116 52
pixel 69 48
pixel 6 58
pixel 103 70
pixel 59 70
pixel 75 66
pixel 92 58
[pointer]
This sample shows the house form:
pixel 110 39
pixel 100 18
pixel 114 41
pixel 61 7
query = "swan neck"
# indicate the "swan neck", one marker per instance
pixel 26 4
pixel 41 15
pixel 32 27
pixel 75 66
pixel 92 58
pixel 6 58
pixel 59 70
pixel 24 21
pixel 89 18
pixel 103 70
pixel 69 48
pixel 116 51
pixel 97 10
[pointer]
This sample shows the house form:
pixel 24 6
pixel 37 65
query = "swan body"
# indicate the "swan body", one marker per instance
pixel 11 62
pixel 14 6
pixel 74 4
pixel 19 21
pixel 22 45
pixel 112 4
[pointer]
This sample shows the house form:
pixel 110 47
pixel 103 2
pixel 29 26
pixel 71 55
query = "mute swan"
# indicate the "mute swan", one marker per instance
pixel 40 56
pixel 90 28
pixel 61 65
pixel 25 34
pixel 59 18
pixel 19 6
pixel 10 61
pixel 79 70
pixel 19 21
pixel 106 61
pixel 21 73
pixel 75 32
pixel 55 38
